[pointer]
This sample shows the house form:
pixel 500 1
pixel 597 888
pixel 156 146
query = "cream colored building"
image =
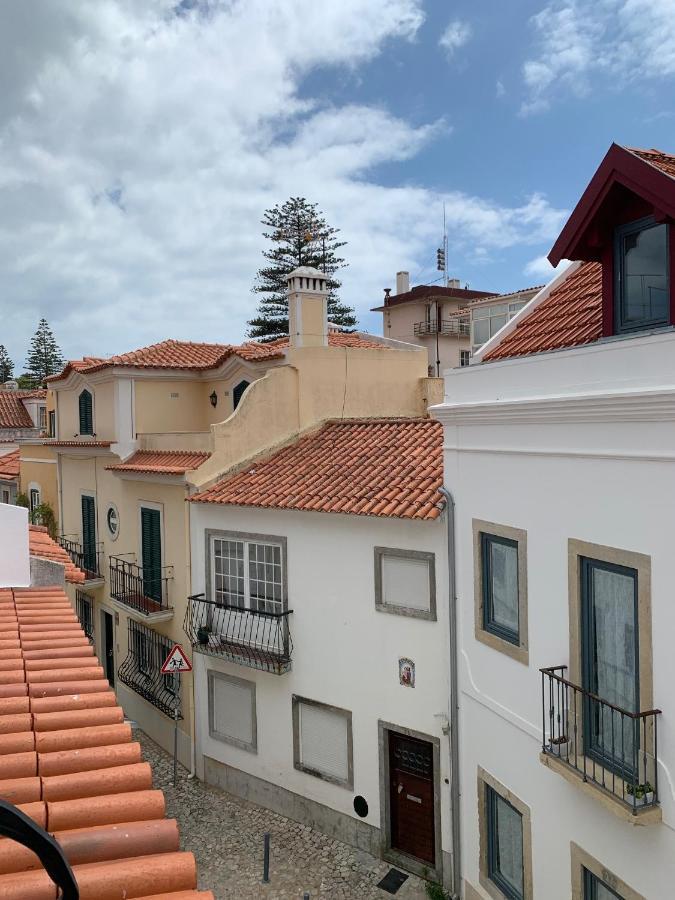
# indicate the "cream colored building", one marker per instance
pixel 136 434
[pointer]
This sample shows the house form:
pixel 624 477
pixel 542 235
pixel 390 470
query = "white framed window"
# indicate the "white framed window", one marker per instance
pixel 247 571
pixel 42 417
pixel 33 498
pixel 322 741
pixel 464 358
pixel 232 712
pixel 405 582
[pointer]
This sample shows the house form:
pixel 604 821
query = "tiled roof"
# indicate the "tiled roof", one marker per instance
pixel 201 357
pixel 13 414
pixel 10 465
pixel 571 315
pixel 663 161
pixel 368 467
pixel 40 544
pixel 68 761
pixel 425 291
pixel 164 462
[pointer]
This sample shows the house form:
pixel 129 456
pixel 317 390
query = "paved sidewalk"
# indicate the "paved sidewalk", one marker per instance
pixel 226 836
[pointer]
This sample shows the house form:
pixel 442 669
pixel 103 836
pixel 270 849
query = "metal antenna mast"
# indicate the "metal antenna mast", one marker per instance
pixel 442 266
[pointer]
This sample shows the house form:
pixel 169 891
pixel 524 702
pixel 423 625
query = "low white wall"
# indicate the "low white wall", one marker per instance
pixel 14 556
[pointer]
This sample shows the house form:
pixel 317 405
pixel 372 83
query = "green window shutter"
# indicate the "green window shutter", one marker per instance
pixel 86 413
pixel 89 533
pixel 151 543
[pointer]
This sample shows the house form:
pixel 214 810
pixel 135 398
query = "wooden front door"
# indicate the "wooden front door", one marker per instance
pixel 108 648
pixel 411 797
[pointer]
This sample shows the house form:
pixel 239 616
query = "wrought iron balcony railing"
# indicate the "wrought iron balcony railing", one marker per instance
pixel 145 590
pixel 461 327
pixel 610 747
pixel 84 605
pixel 87 559
pixel 141 669
pixel 251 637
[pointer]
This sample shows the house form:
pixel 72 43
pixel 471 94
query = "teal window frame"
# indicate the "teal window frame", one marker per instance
pixel 492 801
pixel 489 625
pixel 591 884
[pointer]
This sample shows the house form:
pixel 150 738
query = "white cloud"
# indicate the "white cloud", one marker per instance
pixel 579 41
pixel 500 90
pixel 139 148
pixel 456 35
pixel 540 267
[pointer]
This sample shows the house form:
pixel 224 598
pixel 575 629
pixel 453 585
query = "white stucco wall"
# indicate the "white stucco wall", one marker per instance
pixel 345 652
pixel 14 558
pixel 575 444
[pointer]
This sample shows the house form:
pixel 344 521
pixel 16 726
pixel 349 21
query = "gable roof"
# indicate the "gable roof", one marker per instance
pixel 571 315
pixel 10 465
pixel 13 414
pixel 68 761
pixel 200 357
pixel 425 291
pixel 41 544
pixel 366 467
pixel 650 174
pixel 162 462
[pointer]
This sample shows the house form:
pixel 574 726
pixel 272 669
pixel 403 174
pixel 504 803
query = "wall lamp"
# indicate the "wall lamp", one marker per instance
pixel 213 398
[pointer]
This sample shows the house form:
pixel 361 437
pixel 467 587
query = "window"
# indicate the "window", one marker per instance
pixel 248 573
pixel 464 357
pixel 487 320
pixel 405 582
pixel 142 668
pixel 594 889
pixel 505 841
pixel 592 880
pixel 232 713
pixel 322 741
pixel 151 552
pixel 500 588
pixel 34 500
pixel 86 413
pixel 52 423
pixel 238 392
pixel 142 652
pixel 42 417
pixel 89 554
pixel 505 845
pixel 642 296
pixel 5 495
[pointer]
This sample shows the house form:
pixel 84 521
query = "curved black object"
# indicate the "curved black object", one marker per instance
pixel 19 827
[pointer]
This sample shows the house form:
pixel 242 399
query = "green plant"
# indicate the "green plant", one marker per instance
pixel 44 515
pixel 22 500
pixel 435 891
pixel 639 790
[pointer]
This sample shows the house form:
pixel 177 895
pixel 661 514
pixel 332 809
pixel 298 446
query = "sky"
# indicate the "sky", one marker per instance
pixel 140 144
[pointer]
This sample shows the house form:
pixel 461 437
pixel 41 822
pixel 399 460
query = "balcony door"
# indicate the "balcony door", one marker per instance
pixel 610 664
pixel 89 534
pixel 151 553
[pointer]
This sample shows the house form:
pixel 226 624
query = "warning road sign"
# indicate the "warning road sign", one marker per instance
pixel 176 661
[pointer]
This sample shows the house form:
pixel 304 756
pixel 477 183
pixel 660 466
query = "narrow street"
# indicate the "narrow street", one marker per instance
pixel 226 836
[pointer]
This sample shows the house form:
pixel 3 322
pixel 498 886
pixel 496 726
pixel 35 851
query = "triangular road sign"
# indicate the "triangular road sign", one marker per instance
pixel 176 661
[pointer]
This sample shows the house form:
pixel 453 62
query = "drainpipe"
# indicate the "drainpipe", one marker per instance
pixel 454 702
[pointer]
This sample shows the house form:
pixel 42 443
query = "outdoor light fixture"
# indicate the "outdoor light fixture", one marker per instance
pixel 213 398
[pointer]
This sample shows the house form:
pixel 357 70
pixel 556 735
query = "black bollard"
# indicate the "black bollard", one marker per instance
pixel 266 858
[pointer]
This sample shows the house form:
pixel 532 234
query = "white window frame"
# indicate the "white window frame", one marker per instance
pixel 247 540
pixel 34 487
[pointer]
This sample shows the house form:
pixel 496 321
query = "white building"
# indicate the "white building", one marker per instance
pixel 320 633
pixel 559 451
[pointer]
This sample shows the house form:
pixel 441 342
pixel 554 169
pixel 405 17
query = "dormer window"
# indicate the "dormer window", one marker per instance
pixel 642 296
pixel 86 413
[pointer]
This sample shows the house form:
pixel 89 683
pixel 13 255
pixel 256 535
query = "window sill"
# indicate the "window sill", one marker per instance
pixel 518 652
pixel 648 815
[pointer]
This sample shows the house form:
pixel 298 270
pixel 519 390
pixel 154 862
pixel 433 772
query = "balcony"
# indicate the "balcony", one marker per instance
pixel 600 745
pixel 250 637
pixel 141 670
pixel 146 592
pixel 84 604
pixel 460 327
pixel 88 560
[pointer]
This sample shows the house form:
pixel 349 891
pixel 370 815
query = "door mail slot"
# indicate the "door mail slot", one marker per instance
pixel 414 799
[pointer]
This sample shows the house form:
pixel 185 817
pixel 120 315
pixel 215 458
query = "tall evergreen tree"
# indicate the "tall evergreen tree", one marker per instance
pixel 6 365
pixel 45 357
pixel 299 236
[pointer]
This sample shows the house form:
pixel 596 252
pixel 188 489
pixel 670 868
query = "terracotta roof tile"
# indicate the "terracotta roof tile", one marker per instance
pixel 570 316
pixel 68 761
pixel 163 462
pixel 40 544
pixel 13 414
pixel 663 161
pixel 10 465
pixel 202 357
pixel 385 467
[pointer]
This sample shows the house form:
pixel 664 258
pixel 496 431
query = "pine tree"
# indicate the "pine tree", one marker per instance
pixel 300 236
pixel 6 365
pixel 45 357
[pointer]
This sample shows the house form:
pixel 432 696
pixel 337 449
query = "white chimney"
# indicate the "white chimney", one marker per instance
pixel 307 307
pixel 10 385
pixel 453 282
pixel 402 282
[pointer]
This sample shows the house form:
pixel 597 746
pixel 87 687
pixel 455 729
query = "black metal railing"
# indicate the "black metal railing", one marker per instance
pixel 84 605
pixel 447 326
pixel 87 559
pixel 141 669
pixel 145 590
pixel 251 637
pixel 611 747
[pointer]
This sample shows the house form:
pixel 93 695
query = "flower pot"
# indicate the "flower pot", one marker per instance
pixel 203 635
pixel 560 747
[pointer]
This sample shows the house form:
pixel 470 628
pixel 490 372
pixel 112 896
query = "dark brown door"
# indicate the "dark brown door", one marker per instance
pixel 411 797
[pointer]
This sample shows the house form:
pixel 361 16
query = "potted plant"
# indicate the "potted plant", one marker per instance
pixel 643 793
pixel 203 634
pixel 560 746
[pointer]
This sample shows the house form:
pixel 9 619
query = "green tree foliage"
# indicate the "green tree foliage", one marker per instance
pixel 44 357
pixel 299 236
pixel 6 365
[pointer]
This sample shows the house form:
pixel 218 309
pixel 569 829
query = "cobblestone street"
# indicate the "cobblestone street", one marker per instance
pixel 226 836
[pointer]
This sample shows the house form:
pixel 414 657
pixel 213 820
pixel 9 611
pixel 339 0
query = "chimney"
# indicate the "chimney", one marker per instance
pixel 10 386
pixel 453 282
pixel 402 282
pixel 307 307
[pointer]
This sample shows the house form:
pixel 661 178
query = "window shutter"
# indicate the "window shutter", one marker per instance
pixel 89 533
pixel 237 393
pixel 323 741
pixel 231 711
pixel 405 582
pixel 151 545
pixel 86 415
